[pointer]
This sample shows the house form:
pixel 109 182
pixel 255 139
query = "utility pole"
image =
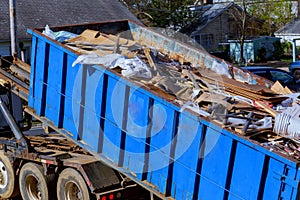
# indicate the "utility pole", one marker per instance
pixel 12 17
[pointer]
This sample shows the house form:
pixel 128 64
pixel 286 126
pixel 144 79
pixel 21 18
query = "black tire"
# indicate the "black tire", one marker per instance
pixel 296 74
pixel 8 178
pixel 71 186
pixel 34 185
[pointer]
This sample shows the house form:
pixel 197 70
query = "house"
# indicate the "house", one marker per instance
pixel 256 49
pixel 38 13
pixel 290 33
pixel 215 24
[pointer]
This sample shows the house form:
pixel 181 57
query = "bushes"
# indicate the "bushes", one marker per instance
pixel 278 50
pixel 261 54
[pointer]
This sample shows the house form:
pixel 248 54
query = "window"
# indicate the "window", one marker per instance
pixel 282 77
pixel 206 40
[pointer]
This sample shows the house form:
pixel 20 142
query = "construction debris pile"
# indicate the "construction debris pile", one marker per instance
pixel 269 116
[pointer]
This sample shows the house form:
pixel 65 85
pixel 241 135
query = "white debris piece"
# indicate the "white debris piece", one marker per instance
pixel 60 36
pixel 95 59
pixel 131 68
pixel 49 32
pixel 194 107
pixel 220 68
pixel 287 123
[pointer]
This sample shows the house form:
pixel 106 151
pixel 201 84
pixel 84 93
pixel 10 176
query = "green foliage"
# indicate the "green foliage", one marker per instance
pixel 176 13
pixel 287 47
pixel 162 13
pixel 261 53
pixel 278 50
pixel 275 14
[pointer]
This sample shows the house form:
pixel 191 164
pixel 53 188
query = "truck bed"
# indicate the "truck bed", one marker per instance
pixel 156 137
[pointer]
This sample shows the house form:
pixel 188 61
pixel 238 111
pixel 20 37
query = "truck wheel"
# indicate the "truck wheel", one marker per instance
pixel 33 183
pixel 7 178
pixel 71 186
pixel 296 74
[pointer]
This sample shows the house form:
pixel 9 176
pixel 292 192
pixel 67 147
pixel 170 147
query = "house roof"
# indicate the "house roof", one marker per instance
pixel 38 13
pixel 292 28
pixel 204 15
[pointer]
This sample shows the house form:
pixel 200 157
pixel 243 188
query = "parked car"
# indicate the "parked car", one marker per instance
pixel 274 74
pixel 294 69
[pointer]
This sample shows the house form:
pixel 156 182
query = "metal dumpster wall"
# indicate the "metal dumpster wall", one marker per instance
pixel 174 153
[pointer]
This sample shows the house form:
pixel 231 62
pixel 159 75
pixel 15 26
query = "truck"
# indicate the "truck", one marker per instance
pixel 294 69
pixel 122 111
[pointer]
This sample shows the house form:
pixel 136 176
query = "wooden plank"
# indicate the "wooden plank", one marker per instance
pixel 266 108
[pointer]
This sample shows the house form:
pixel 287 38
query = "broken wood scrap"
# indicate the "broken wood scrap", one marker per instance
pixel 256 111
pixel 257 132
pixel 244 122
pixel 236 89
pixel 91 36
pixel 253 109
pixel 96 37
pixel 253 96
pixel 246 93
pixel 239 106
pixel 159 91
pixel 91 40
pixel 231 83
pixel 211 77
pixel 167 70
pixel 266 108
pixel 100 49
pixel 87 45
pixel 184 94
pixel 128 54
pixel 163 57
pixel 199 83
pixel 117 69
pixel 191 77
pixel 117 45
pixel 274 138
pixel 83 51
pixel 86 49
pixel 122 41
pixel 279 89
pixel 213 98
pixel 147 52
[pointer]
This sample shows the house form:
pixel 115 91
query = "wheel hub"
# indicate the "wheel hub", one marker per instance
pixel 33 188
pixel 72 191
pixel 3 175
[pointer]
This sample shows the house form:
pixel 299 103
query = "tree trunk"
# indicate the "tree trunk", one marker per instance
pixel 243 33
pixel 242 60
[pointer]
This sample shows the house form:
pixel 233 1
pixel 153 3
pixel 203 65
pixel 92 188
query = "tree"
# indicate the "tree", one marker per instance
pixel 244 22
pixel 275 14
pixel 162 13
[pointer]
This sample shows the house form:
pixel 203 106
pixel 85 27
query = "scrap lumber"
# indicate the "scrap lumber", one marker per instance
pixel 214 98
pixel 233 87
pixel 150 60
pixel 279 89
pixel 266 108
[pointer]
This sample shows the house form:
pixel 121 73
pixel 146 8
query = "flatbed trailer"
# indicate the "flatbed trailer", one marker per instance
pixel 108 136
pixel 32 155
